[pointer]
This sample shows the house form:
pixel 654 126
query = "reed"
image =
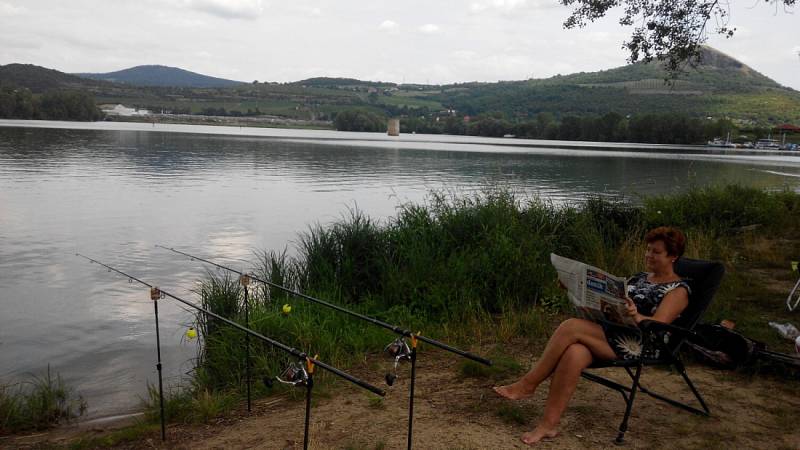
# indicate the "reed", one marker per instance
pixel 39 403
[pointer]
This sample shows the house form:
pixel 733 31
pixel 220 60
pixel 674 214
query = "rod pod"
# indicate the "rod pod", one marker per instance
pixel 395 348
pixel 156 293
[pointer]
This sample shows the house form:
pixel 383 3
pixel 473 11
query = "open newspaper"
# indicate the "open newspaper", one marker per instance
pixel 596 295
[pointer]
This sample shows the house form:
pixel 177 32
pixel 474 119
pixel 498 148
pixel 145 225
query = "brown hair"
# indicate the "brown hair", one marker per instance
pixel 673 239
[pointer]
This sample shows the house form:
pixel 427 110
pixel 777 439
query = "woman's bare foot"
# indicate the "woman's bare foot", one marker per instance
pixel 516 391
pixel 540 433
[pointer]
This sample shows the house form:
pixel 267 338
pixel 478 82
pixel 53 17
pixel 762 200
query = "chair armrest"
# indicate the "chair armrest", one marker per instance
pixel 662 335
pixel 648 325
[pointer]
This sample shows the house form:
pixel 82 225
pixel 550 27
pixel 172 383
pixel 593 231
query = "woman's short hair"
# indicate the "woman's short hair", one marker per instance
pixel 674 240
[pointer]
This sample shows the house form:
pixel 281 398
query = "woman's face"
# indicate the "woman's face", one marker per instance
pixel 656 258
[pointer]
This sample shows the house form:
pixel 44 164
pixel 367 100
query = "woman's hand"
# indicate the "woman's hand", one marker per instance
pixel 632 311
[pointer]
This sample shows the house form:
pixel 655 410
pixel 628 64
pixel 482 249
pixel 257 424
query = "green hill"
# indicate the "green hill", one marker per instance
pixel 39 79
pixel 720 87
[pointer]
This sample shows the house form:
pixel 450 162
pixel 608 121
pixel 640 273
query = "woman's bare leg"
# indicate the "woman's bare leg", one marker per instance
pixel 565 378
pixel 571 331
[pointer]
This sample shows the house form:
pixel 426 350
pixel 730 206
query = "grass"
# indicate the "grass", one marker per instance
pixel 376 402
pixel 503 368
pixel 513 414
pixel 40 403
pixel 117 437
pixel 188 405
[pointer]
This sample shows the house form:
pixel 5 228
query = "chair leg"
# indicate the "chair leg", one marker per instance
pixel 681 370
pixel 697 395
pixel 623 427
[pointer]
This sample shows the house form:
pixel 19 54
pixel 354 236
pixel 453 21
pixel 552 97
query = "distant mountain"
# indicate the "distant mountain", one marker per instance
pixel 161 76
pixel 39 79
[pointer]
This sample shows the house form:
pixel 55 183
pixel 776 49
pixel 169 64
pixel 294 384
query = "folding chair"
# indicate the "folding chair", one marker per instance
pixel 704 278
pixel 793 300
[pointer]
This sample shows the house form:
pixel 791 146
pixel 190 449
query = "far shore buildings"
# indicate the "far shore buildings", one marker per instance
pixel 123 111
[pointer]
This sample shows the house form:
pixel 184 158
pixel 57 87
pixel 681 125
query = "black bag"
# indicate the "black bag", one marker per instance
pixel 722 347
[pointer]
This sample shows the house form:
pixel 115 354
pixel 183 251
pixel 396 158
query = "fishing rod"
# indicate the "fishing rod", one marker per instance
pixel 401 331
pixel 300 374
pixel 398 349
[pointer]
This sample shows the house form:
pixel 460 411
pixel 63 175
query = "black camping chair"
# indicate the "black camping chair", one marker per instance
pixel 704 278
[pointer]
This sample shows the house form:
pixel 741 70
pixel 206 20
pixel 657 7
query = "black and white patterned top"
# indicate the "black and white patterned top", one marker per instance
pixel 646 295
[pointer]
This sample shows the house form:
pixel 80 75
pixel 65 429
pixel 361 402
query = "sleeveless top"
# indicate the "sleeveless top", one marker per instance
pixel 646 296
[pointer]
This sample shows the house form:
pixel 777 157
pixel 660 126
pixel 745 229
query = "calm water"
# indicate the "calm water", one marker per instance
pixel 112 191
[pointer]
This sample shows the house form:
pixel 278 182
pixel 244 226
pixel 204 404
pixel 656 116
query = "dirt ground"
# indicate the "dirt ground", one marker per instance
pixel 453 412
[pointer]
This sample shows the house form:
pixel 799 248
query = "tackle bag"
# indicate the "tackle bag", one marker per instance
pixel 723 347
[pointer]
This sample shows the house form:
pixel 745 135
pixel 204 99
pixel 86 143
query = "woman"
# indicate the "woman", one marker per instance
pixel 659 294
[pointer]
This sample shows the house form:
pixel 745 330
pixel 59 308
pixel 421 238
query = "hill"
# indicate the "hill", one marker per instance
pixel 39 79
pixel 718 86
pixel 160 76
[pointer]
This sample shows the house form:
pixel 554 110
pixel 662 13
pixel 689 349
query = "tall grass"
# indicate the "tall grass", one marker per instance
pixel 37 404
pixel 459 264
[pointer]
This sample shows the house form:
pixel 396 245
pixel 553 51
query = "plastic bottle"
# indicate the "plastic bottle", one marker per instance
pixel 786 330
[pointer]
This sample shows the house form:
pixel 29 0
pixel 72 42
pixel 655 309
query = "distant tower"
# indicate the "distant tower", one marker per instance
pixel 393 127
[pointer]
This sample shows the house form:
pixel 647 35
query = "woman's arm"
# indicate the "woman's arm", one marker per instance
pixel 670 308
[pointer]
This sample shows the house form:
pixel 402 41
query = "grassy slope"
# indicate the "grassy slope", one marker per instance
pixel 723 87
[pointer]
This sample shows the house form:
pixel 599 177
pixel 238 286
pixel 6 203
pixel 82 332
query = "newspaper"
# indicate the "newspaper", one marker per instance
pixel 596 295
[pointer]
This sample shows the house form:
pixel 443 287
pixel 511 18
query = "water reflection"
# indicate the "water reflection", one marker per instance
pixel 112 195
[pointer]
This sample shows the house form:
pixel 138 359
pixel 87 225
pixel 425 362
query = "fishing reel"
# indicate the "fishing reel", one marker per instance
pixel 400 351
pixel 295 374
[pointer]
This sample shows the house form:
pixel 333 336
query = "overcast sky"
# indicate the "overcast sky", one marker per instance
pixel 433 41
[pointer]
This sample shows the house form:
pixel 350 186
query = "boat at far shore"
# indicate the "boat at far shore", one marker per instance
pixel 717 142
pixel 767 144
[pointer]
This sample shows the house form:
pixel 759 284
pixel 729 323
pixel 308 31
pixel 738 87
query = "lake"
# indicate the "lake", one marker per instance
pixel 113 190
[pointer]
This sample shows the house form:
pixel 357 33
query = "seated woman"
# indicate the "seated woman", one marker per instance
pixel 659 294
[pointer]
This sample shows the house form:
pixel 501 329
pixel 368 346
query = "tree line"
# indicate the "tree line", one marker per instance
pixel 669 128
pixel 20 103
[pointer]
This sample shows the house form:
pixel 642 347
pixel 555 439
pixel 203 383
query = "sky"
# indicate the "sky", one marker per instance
pixel 411 41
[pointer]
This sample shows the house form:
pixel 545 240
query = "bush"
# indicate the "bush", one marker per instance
pixel 359 120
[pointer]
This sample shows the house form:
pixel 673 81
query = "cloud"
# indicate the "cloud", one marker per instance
pixel 229 9
pixel 388 25
pixel 465 55
pixel 429 28
pixel 19 43
pixel 508 6
pixel 7 9
pixel 316 12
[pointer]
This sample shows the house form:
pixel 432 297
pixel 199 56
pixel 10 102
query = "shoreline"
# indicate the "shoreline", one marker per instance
pixel 513 145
